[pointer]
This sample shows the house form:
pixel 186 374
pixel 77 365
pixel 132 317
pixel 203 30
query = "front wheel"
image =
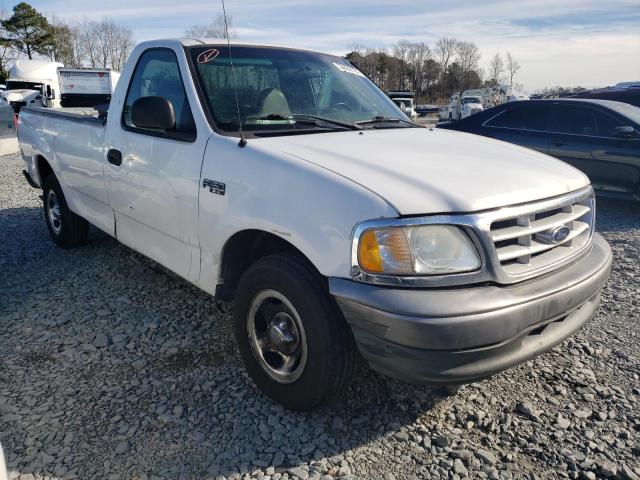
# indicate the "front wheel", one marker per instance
pixel 293 339
pixel 66 228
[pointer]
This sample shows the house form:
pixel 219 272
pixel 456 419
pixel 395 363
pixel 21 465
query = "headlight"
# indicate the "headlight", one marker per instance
pixel 416 250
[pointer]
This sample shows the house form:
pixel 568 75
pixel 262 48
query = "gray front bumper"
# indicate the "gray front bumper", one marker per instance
pixel 459 335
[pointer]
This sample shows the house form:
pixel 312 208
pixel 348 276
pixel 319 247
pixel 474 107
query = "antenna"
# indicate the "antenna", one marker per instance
pixel 242 142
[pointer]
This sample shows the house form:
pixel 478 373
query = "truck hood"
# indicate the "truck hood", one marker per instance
pixel 423 171
pixel 19 95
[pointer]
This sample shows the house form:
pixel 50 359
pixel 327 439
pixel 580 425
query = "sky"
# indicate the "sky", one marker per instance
pixel 557 42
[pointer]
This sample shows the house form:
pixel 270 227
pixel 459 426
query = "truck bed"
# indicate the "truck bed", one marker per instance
pixel 72 142
pixel 80 115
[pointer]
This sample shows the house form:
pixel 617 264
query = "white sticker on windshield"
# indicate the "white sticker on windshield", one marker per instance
pixel 348 69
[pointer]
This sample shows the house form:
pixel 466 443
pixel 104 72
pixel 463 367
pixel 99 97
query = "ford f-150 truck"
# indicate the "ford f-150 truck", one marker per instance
pixel 285 181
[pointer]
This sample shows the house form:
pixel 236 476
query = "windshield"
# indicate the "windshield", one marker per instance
pixel 630 111
pixel 275 86
pixel 13 85
pixel 470 100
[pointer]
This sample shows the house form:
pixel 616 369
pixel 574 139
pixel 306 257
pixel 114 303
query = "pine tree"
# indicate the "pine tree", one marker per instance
pixel 28 31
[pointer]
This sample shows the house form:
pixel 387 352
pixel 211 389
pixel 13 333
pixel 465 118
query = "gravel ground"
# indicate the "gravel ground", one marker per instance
pixel 111 367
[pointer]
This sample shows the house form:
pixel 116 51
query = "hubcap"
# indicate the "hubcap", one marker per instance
pixel 53 212
pixel 276 336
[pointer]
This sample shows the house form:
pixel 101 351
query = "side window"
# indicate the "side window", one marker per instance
pixel 574 121
pixel 157 74
pixel 606 124
pixel 521 118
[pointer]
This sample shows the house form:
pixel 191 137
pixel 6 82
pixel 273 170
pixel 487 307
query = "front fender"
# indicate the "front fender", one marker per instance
pixel 310 207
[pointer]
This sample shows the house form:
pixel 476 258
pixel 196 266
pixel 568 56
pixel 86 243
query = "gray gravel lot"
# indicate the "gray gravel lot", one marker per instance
pixel 111 367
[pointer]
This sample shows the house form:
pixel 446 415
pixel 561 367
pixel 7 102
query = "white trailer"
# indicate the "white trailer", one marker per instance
pixel 86 87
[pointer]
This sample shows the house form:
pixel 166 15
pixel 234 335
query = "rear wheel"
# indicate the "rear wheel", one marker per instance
pixel 66 228
pixel 293 339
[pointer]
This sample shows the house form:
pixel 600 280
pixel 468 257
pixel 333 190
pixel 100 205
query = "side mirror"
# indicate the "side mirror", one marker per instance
pixel 626 131
pixel 154 113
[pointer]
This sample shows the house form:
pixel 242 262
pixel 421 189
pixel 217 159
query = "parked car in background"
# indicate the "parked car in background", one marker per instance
pixel 627 92
pixel 599 137
pixel 424 110
pixel 443 113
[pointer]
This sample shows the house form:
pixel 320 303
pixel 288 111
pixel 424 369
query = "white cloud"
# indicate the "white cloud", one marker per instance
pixel 569 42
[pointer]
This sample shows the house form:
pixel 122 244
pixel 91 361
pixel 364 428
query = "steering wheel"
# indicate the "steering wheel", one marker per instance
pixel 341 106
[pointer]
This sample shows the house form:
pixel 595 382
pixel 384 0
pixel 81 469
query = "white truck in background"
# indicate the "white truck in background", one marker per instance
pixel 405 100
pixel 86 87
pixel 507 93
pixel 338 227
pixel 463 105
pixel 32 83
pixel 40 83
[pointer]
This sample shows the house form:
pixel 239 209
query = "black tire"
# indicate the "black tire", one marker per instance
pixel 331 355
pixel 66 228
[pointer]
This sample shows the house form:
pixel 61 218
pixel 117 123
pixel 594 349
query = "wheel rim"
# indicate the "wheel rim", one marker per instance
pixel 276 336
pixel 53 212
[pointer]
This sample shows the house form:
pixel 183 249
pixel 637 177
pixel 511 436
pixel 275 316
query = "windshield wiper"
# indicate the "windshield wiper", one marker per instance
pixel 339 123
pixel 385 119
pixel 309 119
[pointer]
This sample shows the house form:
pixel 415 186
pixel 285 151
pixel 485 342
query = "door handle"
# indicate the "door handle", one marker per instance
pixel 560 144
pixel 114 157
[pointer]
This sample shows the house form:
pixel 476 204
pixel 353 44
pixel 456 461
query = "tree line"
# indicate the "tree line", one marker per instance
pixel 433 72
pixel 28 33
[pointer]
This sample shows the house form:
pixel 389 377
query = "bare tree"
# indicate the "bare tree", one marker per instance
pixel 512 67
pixel 417 57
pixel 78 48
pixel 121 45
pixel 496 68
pixel 445 50
pixel 215 29
pixel 67 46
pixel 106 43
pixel 468 57
pixel 400 51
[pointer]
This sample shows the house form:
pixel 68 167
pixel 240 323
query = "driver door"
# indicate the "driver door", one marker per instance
pixel 153 177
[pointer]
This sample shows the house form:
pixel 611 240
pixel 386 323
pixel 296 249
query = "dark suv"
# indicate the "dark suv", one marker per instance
pixel 599 137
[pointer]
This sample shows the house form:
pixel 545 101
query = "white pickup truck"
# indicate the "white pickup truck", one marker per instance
pixel 338 228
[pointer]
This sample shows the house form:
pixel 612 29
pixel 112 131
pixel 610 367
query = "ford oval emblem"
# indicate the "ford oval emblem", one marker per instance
pixel 560 234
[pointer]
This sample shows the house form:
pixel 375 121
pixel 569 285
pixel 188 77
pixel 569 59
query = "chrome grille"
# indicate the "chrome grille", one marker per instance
pixel 513 241
pixel 537 238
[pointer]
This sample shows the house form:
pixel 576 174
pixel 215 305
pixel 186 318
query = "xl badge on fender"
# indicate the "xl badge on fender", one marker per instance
pixel 214 187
